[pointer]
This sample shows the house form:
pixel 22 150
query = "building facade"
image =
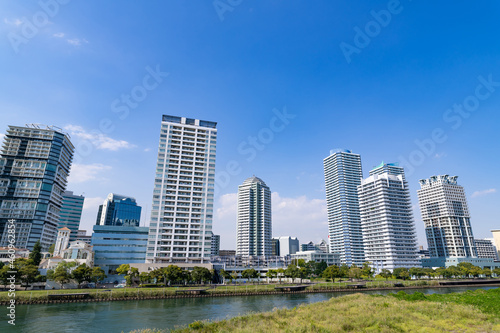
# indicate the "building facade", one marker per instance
pixel 71 213
pixel 116 245
pixel 285 245
pixel 82 236
pixel 254 225
pixel 318 256
pixel 343 174
pixel 496 240
pixel 486 249
pixel 119 210
pixel 215 245
pixel 183 195
pixel 445 213
pixel 34 167
pixel 389 234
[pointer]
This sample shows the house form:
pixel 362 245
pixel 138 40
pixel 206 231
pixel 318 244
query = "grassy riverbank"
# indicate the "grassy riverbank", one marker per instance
pixel 125 293
pixel 472 311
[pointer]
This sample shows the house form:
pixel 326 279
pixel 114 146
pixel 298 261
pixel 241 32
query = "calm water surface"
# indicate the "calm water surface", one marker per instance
pixel 166 313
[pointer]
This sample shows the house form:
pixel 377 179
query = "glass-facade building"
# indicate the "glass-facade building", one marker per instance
pixel 183 194
pixel 71 213
pixel 34 166
pixel 119 210
pixel 116 245
pixel 342 177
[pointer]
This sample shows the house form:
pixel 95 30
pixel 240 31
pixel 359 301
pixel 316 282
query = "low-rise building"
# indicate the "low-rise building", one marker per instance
pixel 318 256
pixel 486 249
pixel 6 254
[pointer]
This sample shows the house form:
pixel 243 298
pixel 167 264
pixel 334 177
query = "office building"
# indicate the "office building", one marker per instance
pixel 444 210
pixel 117 245
pixel 71 213
pixel 119 210
pixel 308 247
pixel 496 241
pixel 387 222
pixel 254 226
pixel 34 167
pixel 285 245
pixel 342 176
pixel 215 245
pixel 486 249
pixel 183 195
pixel 82 236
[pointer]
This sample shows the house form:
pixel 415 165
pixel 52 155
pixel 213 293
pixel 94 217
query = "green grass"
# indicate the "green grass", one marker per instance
pixel 460 312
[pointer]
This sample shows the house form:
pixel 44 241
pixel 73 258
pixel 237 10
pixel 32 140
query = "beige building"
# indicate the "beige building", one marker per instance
pixel 496 240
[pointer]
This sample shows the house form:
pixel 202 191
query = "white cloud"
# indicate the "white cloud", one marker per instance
pixel 147 149
pixel 483 192
pixel 439 155
pixel 1 137
pixel 297 217
pixel 81 173
pixel 77 41
pixel 59 35
pixel 17 22
pixel 99 140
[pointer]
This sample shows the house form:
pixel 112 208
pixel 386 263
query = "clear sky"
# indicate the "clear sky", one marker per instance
pixel 415 82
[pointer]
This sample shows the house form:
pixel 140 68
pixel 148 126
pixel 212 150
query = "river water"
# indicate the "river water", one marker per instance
pixel 125 316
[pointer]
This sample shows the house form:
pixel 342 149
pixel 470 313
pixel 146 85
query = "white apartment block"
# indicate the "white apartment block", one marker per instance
pixel 387 222
pixel 183 195
pixel 318 256
pixel 444 210
pixel 486 249
pixel 254 224
pixel 342 176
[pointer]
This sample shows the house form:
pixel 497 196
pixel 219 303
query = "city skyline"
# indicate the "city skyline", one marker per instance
pixel 407 96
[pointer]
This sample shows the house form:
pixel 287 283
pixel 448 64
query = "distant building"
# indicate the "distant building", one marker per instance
pixel 215 244
pixel 486 249
pixel 286 245
pixel 496 240
pixel 387 220
pixel 318 256
pixel 254 226
pixel 34 166
pixel 117 245
pixel 82 236
pixel 342 176
pixel 445 213
pixel 71 213
pixel 5 254
pixel 227 253
pixel 119 210
pixel 323 246
pixel 308 247
pixel 275 246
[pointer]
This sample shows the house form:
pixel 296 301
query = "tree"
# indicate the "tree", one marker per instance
pixel 249 274
pixel 157 275
pixel 496 271
pixel 331 272
pixel 487 272
pixel 62 273
pixel 225 275
pixel 292 272
pixel 36 254
pixel 367 270
pixel 416 272
pixel 201 274
pixel 281 273
pixel 475 271
pixel 319 268
pixel 27 271
pixel 173 273
pixel 355 272
pixel 144 277
pixel 131 274
pixel 4 274
pixel 401 273
pixel 271 274
pixel 82 273
pixel 465 268
pixel 344 271
pixel 385 273
pixel 98 274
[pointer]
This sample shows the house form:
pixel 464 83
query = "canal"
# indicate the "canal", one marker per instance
pixel 125 316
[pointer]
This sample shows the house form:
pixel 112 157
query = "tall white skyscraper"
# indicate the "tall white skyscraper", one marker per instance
pixel 387 220
pixel 254 226
pixel 342 176
pixel 183 195
pixel 444 210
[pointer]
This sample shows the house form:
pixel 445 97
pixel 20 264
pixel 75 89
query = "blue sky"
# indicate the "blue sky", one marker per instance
pixel 76 64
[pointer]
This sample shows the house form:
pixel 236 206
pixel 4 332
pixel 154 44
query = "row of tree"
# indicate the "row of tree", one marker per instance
pixel 463 270
pixel 26 272
pixel 169 275
pixel 65 272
